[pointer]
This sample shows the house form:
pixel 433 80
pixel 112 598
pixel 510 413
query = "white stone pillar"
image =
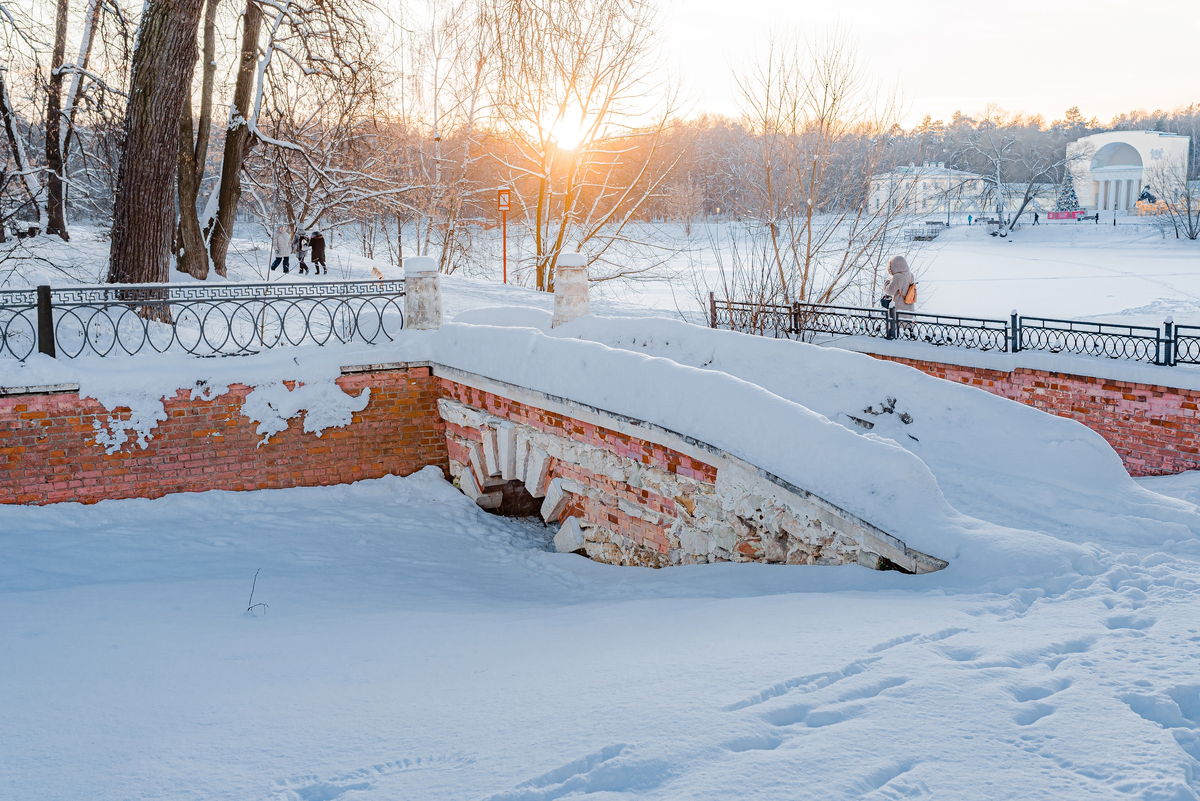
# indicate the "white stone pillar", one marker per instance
pixel 422 294
pixel 570 288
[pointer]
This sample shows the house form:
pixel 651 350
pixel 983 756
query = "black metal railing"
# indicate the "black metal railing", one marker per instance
pixel 1134 342
pixel 1169 345
pixel 764 319
pixel 200 319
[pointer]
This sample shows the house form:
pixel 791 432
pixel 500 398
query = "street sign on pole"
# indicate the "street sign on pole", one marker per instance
pixel 502 203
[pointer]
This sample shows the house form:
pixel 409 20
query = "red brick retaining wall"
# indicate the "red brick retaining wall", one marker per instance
pixel 1154 429
pixel 48 449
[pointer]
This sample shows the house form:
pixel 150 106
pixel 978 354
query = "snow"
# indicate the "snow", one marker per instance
pixel 416 647
pixel 990 458
pixel 325 406
pixel 1128 273
pixel 416 265
pixel 1180 376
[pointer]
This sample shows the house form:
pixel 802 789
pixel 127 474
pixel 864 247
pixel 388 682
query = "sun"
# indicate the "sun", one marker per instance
pixel 568 131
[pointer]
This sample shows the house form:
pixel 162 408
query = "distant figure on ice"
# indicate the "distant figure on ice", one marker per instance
pixel 1035 218
pixel 901 290
pixel 317 243
pixel 968 220
pixel 282 243
pixel 300 248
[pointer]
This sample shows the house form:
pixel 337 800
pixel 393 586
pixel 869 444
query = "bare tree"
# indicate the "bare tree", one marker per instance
pixel 584 120
pixel 56 217
pixel 144 214
pixel 191 255
pixel 219 227
pixel 817 133
pixel 1168 179
pixel 1014 155
pixel 316 62
pixel 18 30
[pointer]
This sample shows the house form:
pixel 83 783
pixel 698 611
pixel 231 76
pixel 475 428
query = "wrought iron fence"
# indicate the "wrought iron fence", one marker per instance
pixel 200 319
pixel 1185 344
pixel 1169 345
pixel 813 318
pixel 764 319
pixel 1134 342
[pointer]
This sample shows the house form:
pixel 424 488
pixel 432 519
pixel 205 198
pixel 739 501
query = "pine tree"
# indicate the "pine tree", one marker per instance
pixel 1067 199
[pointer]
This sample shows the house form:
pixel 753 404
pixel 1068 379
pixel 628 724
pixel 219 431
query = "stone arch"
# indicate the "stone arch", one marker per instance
pixel 1116 154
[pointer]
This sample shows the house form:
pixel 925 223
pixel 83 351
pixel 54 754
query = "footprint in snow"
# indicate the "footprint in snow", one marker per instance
pixel 312 787
pixel 611 769
pixel 1135 622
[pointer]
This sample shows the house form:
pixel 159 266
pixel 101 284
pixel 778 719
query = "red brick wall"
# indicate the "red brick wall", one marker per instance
pixel 1154 429
pixel 48 451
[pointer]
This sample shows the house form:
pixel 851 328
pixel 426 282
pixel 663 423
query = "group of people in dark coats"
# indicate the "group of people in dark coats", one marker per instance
pixel 285 245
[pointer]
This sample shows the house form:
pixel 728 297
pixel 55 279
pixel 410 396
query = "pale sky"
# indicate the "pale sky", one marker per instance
pixel 1105 56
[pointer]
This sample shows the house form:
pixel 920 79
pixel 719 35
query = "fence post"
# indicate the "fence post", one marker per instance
pixel 45 321
pixel 1015 333
pixel 892 324
pixel 1169 343
pixel 712 311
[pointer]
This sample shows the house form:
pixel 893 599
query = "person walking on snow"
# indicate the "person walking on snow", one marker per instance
pixel 282 243
pixel 300 248
pixel 898 286
pixel 317 243
pixel 1035 218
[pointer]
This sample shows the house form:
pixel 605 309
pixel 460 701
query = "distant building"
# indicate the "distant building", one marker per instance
pixel 927 188
pixel 1111 169
pixel 933 187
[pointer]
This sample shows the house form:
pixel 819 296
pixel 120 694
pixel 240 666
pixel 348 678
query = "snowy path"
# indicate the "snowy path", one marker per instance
pixel 417 648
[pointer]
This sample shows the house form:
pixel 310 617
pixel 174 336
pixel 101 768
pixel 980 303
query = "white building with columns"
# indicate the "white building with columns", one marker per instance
pixel 1111 169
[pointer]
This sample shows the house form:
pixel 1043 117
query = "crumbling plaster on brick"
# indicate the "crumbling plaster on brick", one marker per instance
pixel 632 513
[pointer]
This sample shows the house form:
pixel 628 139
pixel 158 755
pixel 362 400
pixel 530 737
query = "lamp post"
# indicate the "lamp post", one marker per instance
pixel 502 203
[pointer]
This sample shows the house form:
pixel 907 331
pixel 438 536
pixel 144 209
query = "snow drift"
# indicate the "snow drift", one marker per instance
pixel 992 458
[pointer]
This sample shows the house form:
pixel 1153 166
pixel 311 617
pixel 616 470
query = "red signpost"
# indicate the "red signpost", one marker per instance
pixel 502 203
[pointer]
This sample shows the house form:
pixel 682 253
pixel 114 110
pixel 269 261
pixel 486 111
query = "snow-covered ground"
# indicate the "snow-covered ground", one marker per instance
pixel 1125 273
pixel 1128 273
pixel 415 647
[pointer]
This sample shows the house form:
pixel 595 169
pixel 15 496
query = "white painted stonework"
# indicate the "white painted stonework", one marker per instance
pixel 570 288
pixel 422 294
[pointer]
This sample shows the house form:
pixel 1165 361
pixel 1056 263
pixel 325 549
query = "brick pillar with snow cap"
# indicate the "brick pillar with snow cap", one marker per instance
pixel 422 294
pixel 570 288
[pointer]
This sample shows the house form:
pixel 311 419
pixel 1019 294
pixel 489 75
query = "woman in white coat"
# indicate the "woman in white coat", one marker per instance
pixel 282 243
pixel 897 286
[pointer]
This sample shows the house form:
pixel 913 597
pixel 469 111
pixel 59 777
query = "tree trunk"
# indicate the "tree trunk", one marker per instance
pixel 161 78
pixel 237 139
pixel 67 129
pixel 56 220
pixel 16 146
pixel 191 256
